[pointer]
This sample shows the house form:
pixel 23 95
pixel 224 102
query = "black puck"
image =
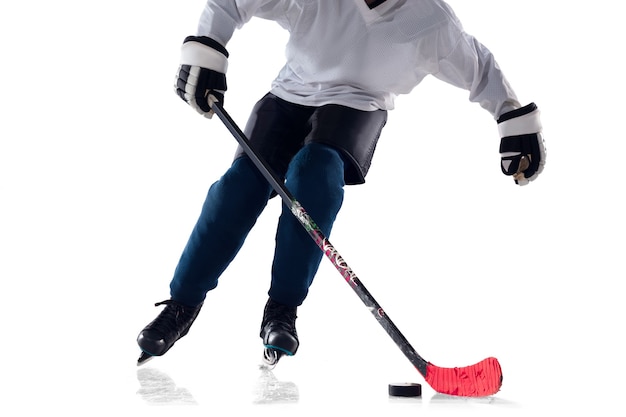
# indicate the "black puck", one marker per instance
pixel 405 389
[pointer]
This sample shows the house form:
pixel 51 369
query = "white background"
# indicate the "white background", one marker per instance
pixel 103 171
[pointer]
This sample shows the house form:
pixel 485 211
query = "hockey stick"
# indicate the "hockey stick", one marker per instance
pixel 479 380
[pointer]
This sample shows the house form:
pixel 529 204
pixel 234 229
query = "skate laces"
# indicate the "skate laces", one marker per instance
pixel 173 314
pixel 281 315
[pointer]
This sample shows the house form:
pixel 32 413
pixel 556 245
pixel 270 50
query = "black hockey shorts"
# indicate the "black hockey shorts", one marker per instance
pixel 278 129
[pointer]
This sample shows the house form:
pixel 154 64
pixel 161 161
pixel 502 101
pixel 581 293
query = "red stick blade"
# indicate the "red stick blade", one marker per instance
pixel 479 380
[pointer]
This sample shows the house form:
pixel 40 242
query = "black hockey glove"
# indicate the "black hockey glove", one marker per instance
pixel 522 151
pixel 201 78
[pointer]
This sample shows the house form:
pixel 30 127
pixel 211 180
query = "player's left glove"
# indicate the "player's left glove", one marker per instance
pixel 522 150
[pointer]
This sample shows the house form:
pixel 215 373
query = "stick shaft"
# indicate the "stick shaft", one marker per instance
pixel 322 242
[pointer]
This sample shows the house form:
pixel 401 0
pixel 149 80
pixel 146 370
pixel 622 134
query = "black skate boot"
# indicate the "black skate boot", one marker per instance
pixel 278 331
pixel 170 325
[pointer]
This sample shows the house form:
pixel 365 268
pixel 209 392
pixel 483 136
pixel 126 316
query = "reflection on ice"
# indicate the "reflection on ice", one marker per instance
pixel 451 399
pixel 159 389
pixel 270 390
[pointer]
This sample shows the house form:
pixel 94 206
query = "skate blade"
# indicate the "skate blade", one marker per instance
pixel 270 358
pixel 145 357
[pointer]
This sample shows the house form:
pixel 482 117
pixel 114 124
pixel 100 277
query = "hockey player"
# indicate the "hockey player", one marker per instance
pixel 346 61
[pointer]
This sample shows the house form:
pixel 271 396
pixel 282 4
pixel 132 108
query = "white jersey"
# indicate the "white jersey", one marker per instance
pixel 343 52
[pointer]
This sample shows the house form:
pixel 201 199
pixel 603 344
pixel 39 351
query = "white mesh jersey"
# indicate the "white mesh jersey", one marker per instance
pixel 343 52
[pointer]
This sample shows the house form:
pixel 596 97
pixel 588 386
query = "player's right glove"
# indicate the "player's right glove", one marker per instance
pixel 522 151
pixel 201 78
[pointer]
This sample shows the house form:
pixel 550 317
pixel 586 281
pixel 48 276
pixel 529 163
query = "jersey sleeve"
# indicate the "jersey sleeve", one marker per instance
pixel 220 18
pixel 466 63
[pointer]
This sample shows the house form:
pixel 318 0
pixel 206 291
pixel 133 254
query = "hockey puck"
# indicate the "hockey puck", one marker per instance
pixel 405 389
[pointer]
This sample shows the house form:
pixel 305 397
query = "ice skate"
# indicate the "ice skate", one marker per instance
pixel 278 331
pixel 172 323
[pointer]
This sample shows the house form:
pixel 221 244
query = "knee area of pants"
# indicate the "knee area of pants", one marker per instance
pixel 320 159
pixel 244 174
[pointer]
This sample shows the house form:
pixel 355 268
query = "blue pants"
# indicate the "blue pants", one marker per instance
pixel 315 176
